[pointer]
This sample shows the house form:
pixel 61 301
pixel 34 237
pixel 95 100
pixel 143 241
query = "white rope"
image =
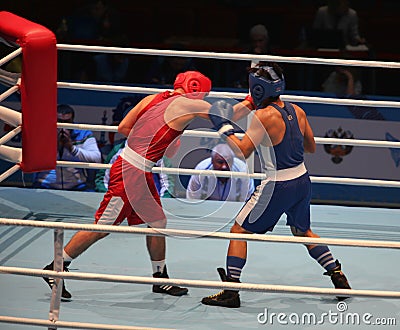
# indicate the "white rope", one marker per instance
pixel 100 166
pixel 7 137
pixel 71 325
pixel 92 127
pixel 208 134
pixel 357 182
pixel 228 174
pixel 9 172
pixel 109 88
pixel 213 134
pixel 202 234
pixel 228 56
pixel 289 98
pixel 10 116
pixel 200 283
pixel 11 154
pixel 10 56
pixel 222 174
pixel 329 100
pixel 360 143
pixel 8 92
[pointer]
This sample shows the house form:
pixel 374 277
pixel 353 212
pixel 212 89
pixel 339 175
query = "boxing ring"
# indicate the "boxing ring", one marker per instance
pixel 110 282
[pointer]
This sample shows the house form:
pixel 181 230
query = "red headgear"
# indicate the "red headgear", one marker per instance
pixel 194 83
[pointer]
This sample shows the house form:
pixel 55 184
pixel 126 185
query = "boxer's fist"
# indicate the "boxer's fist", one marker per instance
pixel 221 113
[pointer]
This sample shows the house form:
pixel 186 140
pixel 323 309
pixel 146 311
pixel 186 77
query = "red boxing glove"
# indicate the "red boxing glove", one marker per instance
pixel 250 99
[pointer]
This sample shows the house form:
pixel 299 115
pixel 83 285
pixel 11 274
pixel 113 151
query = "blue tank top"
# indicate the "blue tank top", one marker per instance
pixel 290 151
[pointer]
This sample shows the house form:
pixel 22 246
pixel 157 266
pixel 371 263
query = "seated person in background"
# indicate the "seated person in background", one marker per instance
pixel 343 82
pixel 103 175
pixel 259 44
pixel 90 20
pixel 164 69
pixel 113 67
pixel 220 188
pixel 73 145
pixel 338 16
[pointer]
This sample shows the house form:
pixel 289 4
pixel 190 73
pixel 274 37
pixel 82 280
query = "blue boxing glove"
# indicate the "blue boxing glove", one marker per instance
pixel 221 113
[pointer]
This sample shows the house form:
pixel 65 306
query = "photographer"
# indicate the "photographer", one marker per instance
pixel 73 145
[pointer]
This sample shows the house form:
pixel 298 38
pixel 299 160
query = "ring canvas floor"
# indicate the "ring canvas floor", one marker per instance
pixel 197 259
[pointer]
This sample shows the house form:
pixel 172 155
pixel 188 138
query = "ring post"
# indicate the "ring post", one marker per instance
pixel 38 88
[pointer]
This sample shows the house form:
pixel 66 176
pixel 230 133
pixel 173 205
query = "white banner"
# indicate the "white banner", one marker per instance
pixel 355 162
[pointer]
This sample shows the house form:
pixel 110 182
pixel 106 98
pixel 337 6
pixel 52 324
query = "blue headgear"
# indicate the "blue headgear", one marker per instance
pixel 262 87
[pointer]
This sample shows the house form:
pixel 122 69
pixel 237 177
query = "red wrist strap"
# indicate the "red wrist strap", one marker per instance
pixel 250 99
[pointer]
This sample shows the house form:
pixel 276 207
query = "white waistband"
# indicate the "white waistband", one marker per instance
pixel 288 173
pixel 137 160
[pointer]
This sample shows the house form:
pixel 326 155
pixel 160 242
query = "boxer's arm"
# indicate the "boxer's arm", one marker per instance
pixel 221 113
pixel 251 139
pixel 309 141
pixel 129 121
pixel 183 110
pixel 305 127
pixel 243 108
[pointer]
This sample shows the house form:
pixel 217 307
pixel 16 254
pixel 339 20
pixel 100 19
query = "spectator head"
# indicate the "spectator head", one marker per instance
pixel 98 8
pixel 222 157
pixel 65 113
pixel 259 39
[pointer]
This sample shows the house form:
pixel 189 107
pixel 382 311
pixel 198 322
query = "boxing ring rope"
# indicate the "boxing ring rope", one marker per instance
pixel 227 56
pixel 290 98
pixel 196 133
pixel 306 99
pixel 229 174
pixel 71 325
pixel 185 233
pixel 11 56
pixel 213 134
pixel 200 234
pixel 200 283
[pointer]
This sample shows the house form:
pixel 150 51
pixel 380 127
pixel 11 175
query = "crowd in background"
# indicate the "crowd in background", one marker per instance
pixel 292 27
pixel 102 22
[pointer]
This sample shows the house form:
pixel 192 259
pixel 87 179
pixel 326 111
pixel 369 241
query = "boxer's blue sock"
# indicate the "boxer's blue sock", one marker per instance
pixel 323 256
pixel 234 266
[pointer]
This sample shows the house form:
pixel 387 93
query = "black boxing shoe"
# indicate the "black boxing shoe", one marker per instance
pixel 65 295
pixel 339 280
pixel 224 298
pixel 172 290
